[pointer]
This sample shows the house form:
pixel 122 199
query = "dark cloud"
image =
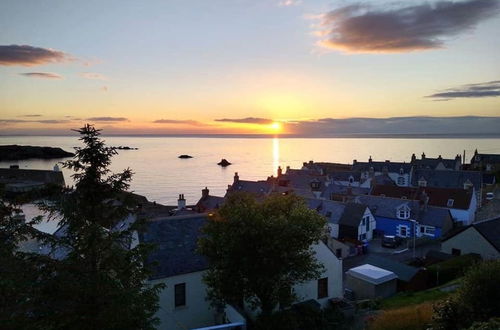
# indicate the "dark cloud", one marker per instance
pixel 364 29
pixel 395 126
pixel 487 89
pixel 107 119
pixel 93 76
pixel 44 121
pixel 248 120
pixel 44 75
pixel 30 56
pixel 30 116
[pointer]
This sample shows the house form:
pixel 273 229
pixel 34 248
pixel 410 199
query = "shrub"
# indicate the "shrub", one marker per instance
pixel 476 300
pixel 451 269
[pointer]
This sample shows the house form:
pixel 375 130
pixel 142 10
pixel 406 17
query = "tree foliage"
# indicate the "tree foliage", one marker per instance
pixel 257 251
pixel 92 276
pixel 476 300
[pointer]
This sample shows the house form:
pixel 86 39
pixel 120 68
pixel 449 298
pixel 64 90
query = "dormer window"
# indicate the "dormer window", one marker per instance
pixel 450 202
pixel 401 171
pixel 404 197
pixel 422 183
pixel 401 181
pixel 468 185
pixel 351 179
pixel 403 212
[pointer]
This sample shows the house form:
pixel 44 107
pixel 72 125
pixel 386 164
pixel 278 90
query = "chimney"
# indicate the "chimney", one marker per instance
pixel 354 161
pixel 287 168
pixel 413 158
pixel 439 157
pixel 370 159
pixel 204 193
pixel 423 155
pixel 236 178
pixel 280 171
pixel 181 202
pixel 311 162
pixel 56 168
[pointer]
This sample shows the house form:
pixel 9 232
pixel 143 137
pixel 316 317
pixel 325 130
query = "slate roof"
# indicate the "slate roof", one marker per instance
pixel 176 241
pixel 333 211
pixel 490 229
pixel 299 179
pixel 352 215
pixel 11 175
pixel 255 187
pixel 393 167
pixel 386 207
pixel 404 272
pixel 327 168
pixel 437 196
pixel 210 202
pixel 448 179
pixel 489 178
pixel 339 189
pixel 486 158
pixel 383 179
pixel 345 175
pixel 432 163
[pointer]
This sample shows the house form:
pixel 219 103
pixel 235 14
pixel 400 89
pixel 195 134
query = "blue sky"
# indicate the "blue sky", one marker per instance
pixel 197 61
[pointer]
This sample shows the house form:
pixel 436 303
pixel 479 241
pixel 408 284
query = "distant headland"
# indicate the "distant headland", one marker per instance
pixel 16 152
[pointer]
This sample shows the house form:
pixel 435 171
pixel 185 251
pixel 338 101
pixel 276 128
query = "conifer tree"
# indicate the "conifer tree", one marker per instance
pixel 97 279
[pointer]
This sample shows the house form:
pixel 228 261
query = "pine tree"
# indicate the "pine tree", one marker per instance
pixel 97 278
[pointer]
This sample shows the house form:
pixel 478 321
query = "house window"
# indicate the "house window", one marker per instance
pixel 456 252
pixel 403 213
pixel 367 223
pixel 430 230
pixel 362 237
pixel 401 181
pixel 403 231
pixel 351 179
pixel 323 288
pixel 450 203
pixel 180 294
pixel 422 183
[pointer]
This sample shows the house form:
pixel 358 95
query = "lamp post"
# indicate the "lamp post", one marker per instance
pixel 415 223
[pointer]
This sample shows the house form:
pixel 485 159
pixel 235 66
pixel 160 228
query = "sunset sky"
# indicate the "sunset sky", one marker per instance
pixel 245 66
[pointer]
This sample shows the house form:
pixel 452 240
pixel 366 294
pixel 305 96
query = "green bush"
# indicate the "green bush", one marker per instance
pixel 476 300
pixel 450 270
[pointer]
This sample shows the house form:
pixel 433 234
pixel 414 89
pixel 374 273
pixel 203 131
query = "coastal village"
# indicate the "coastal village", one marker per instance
pixel 392 228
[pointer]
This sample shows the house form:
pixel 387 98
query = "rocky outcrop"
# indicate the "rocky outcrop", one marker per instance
pixel 15 152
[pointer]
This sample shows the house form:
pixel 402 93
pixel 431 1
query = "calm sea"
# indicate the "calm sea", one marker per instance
pixel 161 176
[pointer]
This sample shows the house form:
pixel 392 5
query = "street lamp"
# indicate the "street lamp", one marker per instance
pixel 415 223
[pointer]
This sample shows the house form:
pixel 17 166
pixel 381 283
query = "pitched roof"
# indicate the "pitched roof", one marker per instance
pixel 403 272
pixel 372 274
pixel 486 158
pixel 394 167
pixel 210 202
pixel 386 207
pixel 448 179
pixel 338 189
pixel 490 229
pixel 345 175
pixel 176 242
pixel 437 196
pixel 11 175
pixel 352 215
pixel 432 163
pixel 255 187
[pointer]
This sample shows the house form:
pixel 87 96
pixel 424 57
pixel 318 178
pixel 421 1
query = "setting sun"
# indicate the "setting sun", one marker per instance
pixel 275 126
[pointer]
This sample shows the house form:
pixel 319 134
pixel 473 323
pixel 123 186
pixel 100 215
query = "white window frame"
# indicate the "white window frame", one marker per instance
pixel 450 202
pixel 407 229
pixel 406 214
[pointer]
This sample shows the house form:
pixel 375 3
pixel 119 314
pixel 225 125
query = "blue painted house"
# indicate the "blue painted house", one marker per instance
pixel 405 218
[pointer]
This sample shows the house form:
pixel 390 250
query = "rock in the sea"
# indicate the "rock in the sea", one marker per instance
pixel 15 152
pixel 185 156
pixel 125 148
pixel 224 163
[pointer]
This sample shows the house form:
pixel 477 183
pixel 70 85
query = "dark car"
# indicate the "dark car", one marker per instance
pixel 391 241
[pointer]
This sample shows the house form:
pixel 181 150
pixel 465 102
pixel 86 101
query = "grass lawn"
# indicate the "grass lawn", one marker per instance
pixel 415 298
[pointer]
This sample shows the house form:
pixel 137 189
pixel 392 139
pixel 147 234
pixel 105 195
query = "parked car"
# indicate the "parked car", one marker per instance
pixel 391 241
pixel 490 196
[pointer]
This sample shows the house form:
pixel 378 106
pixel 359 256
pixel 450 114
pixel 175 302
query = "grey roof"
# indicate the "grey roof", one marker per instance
pixel 383 179
pixel 486 158
pixel 403 272
pixel 352 215
pixel 333 211
pixel 393 167
pixel 339 189
pixel 387 207
pixel 302 179
pixel 256 187
pixel 490 229
pixel 210 202
pixel 432 163
pixel 345 175
pixel 448 179
pixel 176 241
pixel 489 178
pixel 11 175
